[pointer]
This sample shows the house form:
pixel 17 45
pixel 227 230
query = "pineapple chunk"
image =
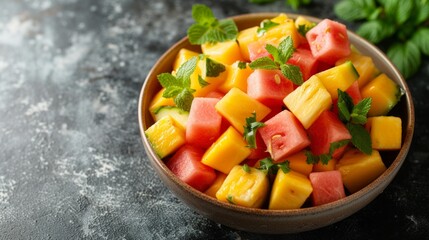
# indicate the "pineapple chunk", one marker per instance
pixel 248 189
pixel 281 18
pixel 228 150
pixel 358 169
pixel 278 33
pixel 245 37
pixel 308 101
pixel 226 52
pixel 385 132
pixel 290 190
pixel 385 94
pixel 339 77
pixel 212 190
pixel 165 136
pixel 237 77
pixel 364 66
pixel 236 106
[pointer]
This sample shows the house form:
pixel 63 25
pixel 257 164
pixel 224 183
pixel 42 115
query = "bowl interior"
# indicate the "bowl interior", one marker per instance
pixel 298 219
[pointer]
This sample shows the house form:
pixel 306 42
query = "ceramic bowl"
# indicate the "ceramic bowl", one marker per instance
pixel 277 221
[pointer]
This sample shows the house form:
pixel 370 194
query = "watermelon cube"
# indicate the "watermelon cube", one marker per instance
pixel 327 187
pixel 326 130
pixel 283 135
pixel 186 165
pixel 329 41
pixel 268 87
pixel 306 62
pixel 204 122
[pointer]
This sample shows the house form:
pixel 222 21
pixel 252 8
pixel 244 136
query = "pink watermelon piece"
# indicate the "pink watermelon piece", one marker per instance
pixel 283 135
pixel 329 41
pixel 327 187
pixel 186 165
pixel 325 130
pixel 306 62
pixel 257 50
pixel 204 122
pixel 269 87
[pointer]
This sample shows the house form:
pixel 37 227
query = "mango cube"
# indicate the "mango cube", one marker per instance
pixel 278 33
pixel 358 169
pixel 236 106
pixel 385 132
pixel 290 190
pixel 237 77
pixel 158 101
pixel 298 163
pixel 226 52
pixel 364 66
pixel 308 101
pixel 248 189
pixel 228 150
pixel 165 136
pixel 212 190
pixel 245 37
pixel 385 94
pixel 182 56
pixel 338 77
pixel 320 167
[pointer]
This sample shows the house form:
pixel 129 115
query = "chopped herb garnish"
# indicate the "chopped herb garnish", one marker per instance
pixel 213 68
pixel 178 87
pixel 250 130
pixel 303 29
pixel 246 168
pixel 202 82
pixel 324 158
pixel 230 199
pixel 360 138
pixel 242 65
pixel 208 29
pixel 280 55
pixel 265 26
pixel 270 168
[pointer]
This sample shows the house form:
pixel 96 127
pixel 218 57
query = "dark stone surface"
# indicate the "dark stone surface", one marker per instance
pixel 72 165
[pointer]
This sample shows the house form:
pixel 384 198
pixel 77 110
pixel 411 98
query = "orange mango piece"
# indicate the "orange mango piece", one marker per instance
pixel 226 52
pixel 237 77
pixel 385 132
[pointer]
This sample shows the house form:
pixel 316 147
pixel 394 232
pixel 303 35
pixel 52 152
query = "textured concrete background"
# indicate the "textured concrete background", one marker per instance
pixel 72 165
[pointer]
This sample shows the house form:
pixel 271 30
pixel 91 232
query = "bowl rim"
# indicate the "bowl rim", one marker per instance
pixel 374 187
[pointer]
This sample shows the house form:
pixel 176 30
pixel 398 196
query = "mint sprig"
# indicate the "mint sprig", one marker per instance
pixel 213 68
pixel 178 87
pixel 208 29
pixel 354 116
pixel 400 27
pixel 250 130
pixel 281 55
pixel 268 166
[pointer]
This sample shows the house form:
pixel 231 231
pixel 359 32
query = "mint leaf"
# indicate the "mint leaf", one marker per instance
pixel 286 50
pixel 295 4
pixel 360 138
pixel 208 29
pixel 262 1
pixel 303 29
pixel 250 130
pixel 167 80
pixel 242 65
pixel 265 26
pixel 213 68
pixel 420 38
pixel 246 168
pixel 293 73
pixel 404 11
pixel 376 30
pixel 184 99
pixel 264 63
pixel 311 158
pixel 324 158
pixel 230 199
pixel 406 56
pixel 360 110
pixel 345 105
pixel 202 82
pixel 352 10
pixel 268 166
pixel 284 166
pixel 185 71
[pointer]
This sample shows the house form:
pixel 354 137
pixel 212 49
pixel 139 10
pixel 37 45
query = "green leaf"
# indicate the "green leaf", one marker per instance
pixel 404 11
pixel 185 71
pixel 262 1
pixel 336 145
pixel 360 138
pixel 303 29
pixel 351 10
pixel 360 110
pixel 184 99
pixel 265 25
pixel 421 11
pixel 285 50
pixel 172 91
pixel 274 52
pixel 250 130
pixel 246 168
pixel 311 158
pixel 264 63
pixel 406 57
pixel 230 199
pixel 293 73
pixel 421 39
pixel 202 82
pixel 167 79
pixel 208 29
pixel 284 166
pixel 376 30
pixel 242 65
pixel 266 165
pixel 213 68
pixel 295 4
pixel 345 105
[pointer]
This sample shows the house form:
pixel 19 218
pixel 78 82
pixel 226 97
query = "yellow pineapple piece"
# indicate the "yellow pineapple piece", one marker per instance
pixel 248 189
pixel 385 94
pixel 338 77
pixel 278 33
pixel 290 190
pixel 226 52
pixel 358 169
pixel 228 150
pixel 236 106
pixel 308 101
pixel 212 190
pixel 281 18
pixel 237 77
pixel 385 132
pixel 165 136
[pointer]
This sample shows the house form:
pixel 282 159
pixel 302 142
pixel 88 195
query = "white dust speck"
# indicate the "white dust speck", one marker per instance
pixel 106 165
pixel 412 219
pixel 6 188
pixel 39 107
